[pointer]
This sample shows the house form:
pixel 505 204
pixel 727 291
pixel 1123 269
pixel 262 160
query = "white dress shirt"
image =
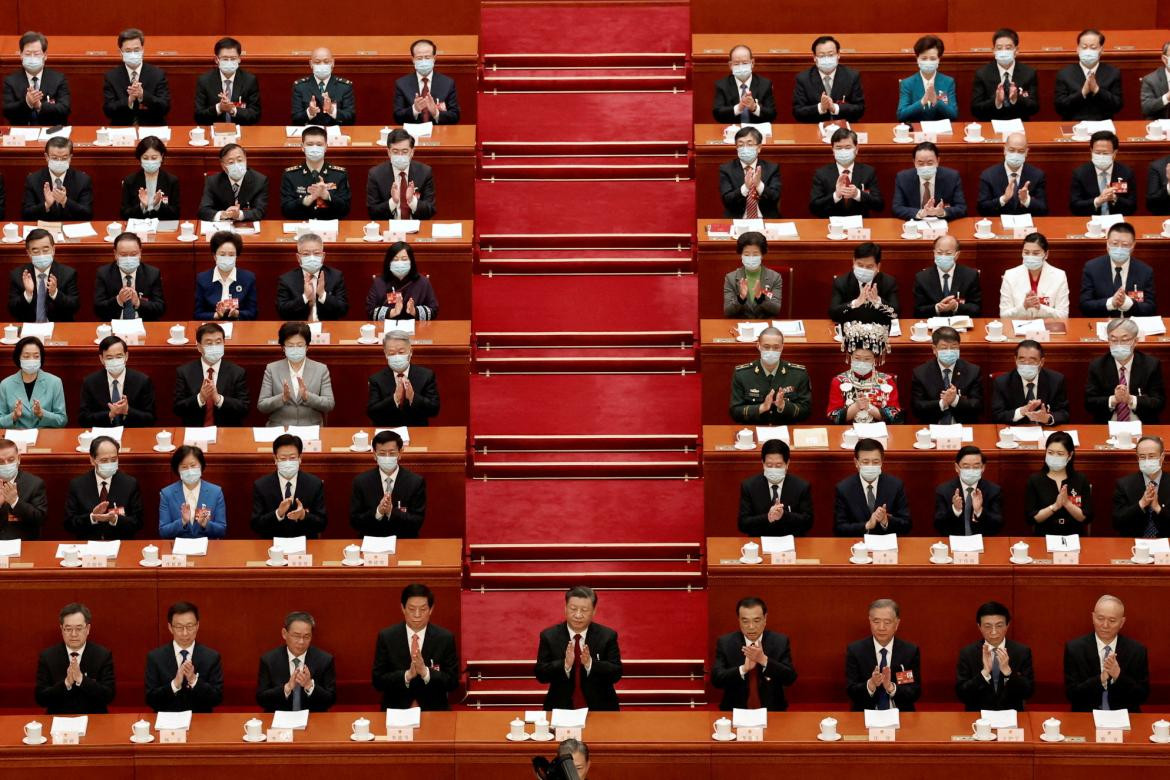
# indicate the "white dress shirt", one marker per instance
pixel 748 170
pixel 292 668
pixel 107 482
pixel 749 643
pixel 1025 198
pixel 69 656
pixel 1127 304
pixel 225 283
pixel 987 675
pixel 739 84
pixel 1101 652
pixel 1052 284
pixel 205 367
pixel 422 638
pixel 584 668
pixel 287 486
pixel 179 662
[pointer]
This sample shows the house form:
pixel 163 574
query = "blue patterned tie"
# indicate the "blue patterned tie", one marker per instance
pixel 296 691
pixel 745 116
pixel 1105 692
pixel 883 698
pixel 42 298
pixel 184 654
pixel 996 672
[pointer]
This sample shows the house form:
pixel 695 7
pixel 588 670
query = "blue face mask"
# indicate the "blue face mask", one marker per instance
pixel 314 153
pixel 236 171
pixel 322 71
pixel 1028 371
pixel 845 156
pixel 970 477
pixel 861 367
pixel 1120 352
pixel 398 363
pixel 747 154
pixel 228 67
pixel 399 268
pixel 1055 462
pixel 296 354
pixel 423 67
pixel 129 264
pixel 151 166
pixel 30 366
pixel 213 353
pixel 1119 254
pixel 928 66
pixel 311 263
pixel 827 64
pixel 190 476
pixel 870 473
pixel 944 262
pixel 1089 57
pixel 926 171
pixel 1005 57
pixel 948 357
pixel 288 468
pixel 751 262
pixel 1014 159
pixel 8 471
pixel 864 275
pixel 741 72
pixel 1033 262
pixel 42 262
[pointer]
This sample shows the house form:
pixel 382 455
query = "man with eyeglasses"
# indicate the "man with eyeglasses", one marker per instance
pixel 1125 384
pixel 1141 498
pixel 75 677
pixel 425 96
pixel 296 676
pixel 182 675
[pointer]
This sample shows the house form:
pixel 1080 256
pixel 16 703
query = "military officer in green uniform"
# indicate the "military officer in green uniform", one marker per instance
pixel 315 189
pixel 770 391
pixel 323 99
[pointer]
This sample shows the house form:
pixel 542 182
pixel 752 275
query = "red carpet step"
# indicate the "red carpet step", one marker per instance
pixel 590 118
pixel 592 27
pixel 551 208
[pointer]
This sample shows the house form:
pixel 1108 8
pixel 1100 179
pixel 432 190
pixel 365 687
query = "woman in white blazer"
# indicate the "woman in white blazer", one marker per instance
pixel 296 390
pixel 1034 289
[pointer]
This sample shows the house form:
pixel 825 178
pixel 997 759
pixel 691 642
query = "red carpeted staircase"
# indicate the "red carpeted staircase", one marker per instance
pixel 584 396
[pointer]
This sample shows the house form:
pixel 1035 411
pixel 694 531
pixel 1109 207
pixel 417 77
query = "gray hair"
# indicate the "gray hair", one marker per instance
pixel 1110 599
pixel 1155 439
pixel 299 617
pixel 886 604
pixel 395 335
pixel 307 237
pixel 570 746
pixel 1123 324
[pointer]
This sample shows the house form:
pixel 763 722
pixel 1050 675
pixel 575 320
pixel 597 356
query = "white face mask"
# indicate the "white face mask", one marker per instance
pixel 742 71
pixel 115 366
pixel 314 153
pixel 775 475
pixel 58 166
pixel 225 263
pixel 1102 161
pixel 751 262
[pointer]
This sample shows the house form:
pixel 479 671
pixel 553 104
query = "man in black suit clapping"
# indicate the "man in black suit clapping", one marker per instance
pixel 415 661
pixel 1005 89
pixel 827 91
pixel 225 93
pixel 1141 498
pixel 103 503
pixel 752 665
pixel 75 677
pixel 288 502
pixel 36 95
pixel 579 660
pixel 881 671
pixel 388 500
pixel 743 97
pixel 994 673
pixel 947 289
pixel 211 391
pixel 182 675
pixel 1104 670
pixel 296 676
pixel 968 504
pixel 947 390
pixel 775 503
pixel 135 93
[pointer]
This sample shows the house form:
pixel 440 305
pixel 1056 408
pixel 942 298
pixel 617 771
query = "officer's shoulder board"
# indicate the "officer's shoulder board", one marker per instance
pixel 742 366
pixel 341 80
pixel 304 80
pixel 292 168
pixel 333 167
pixel 797 365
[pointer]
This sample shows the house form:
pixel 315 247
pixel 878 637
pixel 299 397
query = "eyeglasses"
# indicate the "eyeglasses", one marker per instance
pixel 184 628
pixel 73 629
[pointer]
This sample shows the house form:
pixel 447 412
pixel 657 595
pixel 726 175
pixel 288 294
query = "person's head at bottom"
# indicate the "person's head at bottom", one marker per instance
pixel 579 752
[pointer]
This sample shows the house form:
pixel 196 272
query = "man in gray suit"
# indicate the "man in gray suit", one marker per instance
pixel 296 390
pixel 1156 89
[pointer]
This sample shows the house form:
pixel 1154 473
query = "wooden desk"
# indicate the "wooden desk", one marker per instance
pixel 236 461
pixel 242 604
pixel 922 470
pixel 799 151
pixel 1139 757
pixel 450 151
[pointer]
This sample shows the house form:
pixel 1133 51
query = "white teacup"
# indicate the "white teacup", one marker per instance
pixel 84 438
pixel 1141 552
pixel 372 229
pixel 910 228
pixel 938 552
pixel 974 131
pixel 1154 130
pixel 540 728
pixel 361 440
pixel 187 229
pixel 981 728
pixel 517 727
pixel 859 552
pixel 1051 727
pixel 1123 439
pixel 102 135
pixel 1006 437
pixel 11 332
pixel 113 229
pixel 367 332
pixel 163 439
pixel 983 227
pixel 922 437
pixel 919 330
pixel 829 727
pixel 360 727
pixel 836 229
pixel 743 437
pixel 178 332
pixel 901 131
pixel 1020 551
pixel 197 134
pixel 1161 729
pixel 11 231
pixel 352 552
pixel 994 329
pixel 382 134
pixel 33 730
pixel 150 553
pixel 849 437
pixel 750 551
pixel 141 728
pixel 71 554
pixel 1166 227
pixel 301 229
pixel 723 727
pixel 276 555
pixel 103 331
pixel 252 727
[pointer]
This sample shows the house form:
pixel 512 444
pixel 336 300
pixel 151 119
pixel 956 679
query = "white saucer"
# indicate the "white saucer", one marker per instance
pixel 371 239
pixel 108 239
pixel 909 237
pixel 947 559
pixel 81 449
pixel 74 565
pixel 1021 562
pixel 751 561
pixel 358 562
pixel 516 737
pixel 43 739
pixel 157 448
pixel 174 343
pixel 188 239
pixel 922 340
pixel 1155 740
pixel 1015 445
pixel 103 143
pixel 368 736
pixel 903 140
pixel 831 237
pixel 371 341
pixel 725 738
pixel 978 140
pixel 545 738
pixel 1112 442
pixel 988 738
pixel 985 235
pixel 8 341
pixel 14 240
pixel 271 563
pixel 739 446
pixel 1142 563
pixel 151 564
pixel 257 738
pixel 1164 234
pixel 995 340
pixel 198 143
pixel 1159 138
pixel 142 740
pixel 860 561
pixel 1047 738
pixel 352 448
pixel 920 446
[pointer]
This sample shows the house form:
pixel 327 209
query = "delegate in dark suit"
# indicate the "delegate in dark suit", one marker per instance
pixel 274 674
pixel 442 90
pixel 846 288
pixel 1144 381
pixel 252 197
pixel 755 499
pixel 245 94
pixel 993 182
pixel 1082 675
pixel 151 111
pixel 266 498
pixel 59 309
pixel 1085 186
pixel 148 283
pixel 209 288
pixel 78 204
pixel 779 673
pixel 1154 87
pixel 927 385
pixel 1129 519
pixel 964 284
pixel 135 387
pixel 409 496
pixel 851 512
pixel 392 660
pixel 168 184
pixel 161 667
pixel 731 178
pixel 54 108
pixel 91 696
pixel 596 685
pixel 1007 395
pixel 987 80
pixel 24 520
pixel 1097 288
pixel 1075 107
pixel 846 93
pixel 824 184
pixel 1158 187
pixel 946 187
pixel 83 497
pixel 861 660
pixel 290 295
pixel 978 693
pixel 384 412
pixel 381 181
pixel 988 523
pixel 231 382
pixel 340 91
pixel 727 98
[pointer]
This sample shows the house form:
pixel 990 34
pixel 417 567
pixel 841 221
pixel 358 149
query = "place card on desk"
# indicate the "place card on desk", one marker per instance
pixel 130 331
pixel 883 546
pixel 172 736
pixel 200 437
pixel 1009 735
pixel 810 438
pixel 89 561
pixel 280 735
pixel 966 549
pixel 1066 550
pixel 376 559
pixel 781 548
pixel 300 561
pixel 172 561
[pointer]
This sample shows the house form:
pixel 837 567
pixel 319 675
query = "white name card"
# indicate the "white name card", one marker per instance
pixel 94 562
pixel 882 735
pixel 749 734
pixel 174 561
pixel 1110 736
pixel 400 735
pixel 300 560
pixel 784 558
pixel 1010 735
pixel 280 735
pixel 377 559
pixel 885 556
pixel 172 736
pixel 966 557
pixel 66 738
pixel 4 562
pixel 1066 557
pixel 563 733
pixel 858 234
pixel 1161 559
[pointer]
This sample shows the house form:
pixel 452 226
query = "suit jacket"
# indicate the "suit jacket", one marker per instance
pixel 217 196
pixel 731 180
pixel 385 413
pixel 596 686
pixel 1153 88
pixel 148 283
pixel 83 497
pixel 340 91
pixel 47 388
pixel 994 180
pixel 1074 107
pixel 1007 395
pixel 94 693
pixel 964 283
pixel 860 661
pixel 1097 288
pixel 162 666
pixel 947 186
pixel 727 98
pixel 1084 187
pixel 135 386
pixel 769 303
pixel 442 90
pixel 851 513
pixel 266 498
pixel 245 94
pixel 318 401
pixel 988 523
pixel 409 496
pixel 78 198
pixel 1082 675
pixel 977 693
pixel 847 94
pixel 274 673
pixel 1016 284
pixel 170 507
pixel 59 309
pixel 54 106
pixel 231 382
pixel 987 79
pixel 1144 380
pixel 824 184
pixel 167 182
pixel 1130 519
pixel 911 90
pixel 770 680
pixel 381 180
pixel 151 111
pixel 290 295
pixel 392 660
pixel 1157 189
pixel 927 386
pixel 24 521
pixel 846 288
pixel 755 499
pixel 208 289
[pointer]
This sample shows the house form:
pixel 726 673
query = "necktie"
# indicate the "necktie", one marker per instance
pixel 828 82
pixel 946 285
pixel 753 683
pixel 115 396
pixel 947 416
pixel 968 512
pixel 745 116
pixel 926 194
pixel 321 89
pixel 184 655
pixel 996 672
pixel 403 203
pixel 227 90
pixel 389 486
pixel 1122 411
pixel 296 691
pixel 414 645
pixel 775 493
pixel 58 183
pixel 209 408
pixel 103 494
pixel 133 77
pixel 752 211
pixel 73 655
pixel 883 698
pixel 1116 279
pixel 128 312
pixel 312 279
pixel 848 179
pixel 235 190
pixel 36 83
pixel 425 115
pixel 1030 395
pixel 1007 86
pixel 1015 185
pixel 1103 183
pixel 870 499
pixel 42 299
pixel 578 695
pixel 1151 531
pixel 1105 692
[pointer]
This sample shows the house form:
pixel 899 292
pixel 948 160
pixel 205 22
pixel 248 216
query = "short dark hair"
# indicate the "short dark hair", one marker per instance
pixel 775 447
pixel 313 131
pixel 398 134
pixel 1037 238
pixel 228 149
pixel 945 333
pixel 36 234
pixel 825 39
pixel 34 37
pixel 992 608
pixel 299 616
pixel 290 329
pixel 126 236
pixel 925 146
pixel 181 453
pixel 208 327
pixel 392 252
pixel 97 443
pixel 1105 135
pixel 182 608
pixel 969 449
pixel 24 342
pixel 1121 227
pixel 927 42
pixel 581 592
pixel 1030 344
pixel 749 132
pixel 1090 31
pixel 110 341
pixel 840 134
pixel 58 142
pixel 228 43
pixel 221 237
pixel 416 590
pixel 75 608
pixel 868 249
pixel 434 48
pixel 868 445
pixel 288 440
pixel 148 143
pixel 748 602
pixel 386 437
pixel 131 34
pixel 1005 32
pixel 1065 440
pixel 751 238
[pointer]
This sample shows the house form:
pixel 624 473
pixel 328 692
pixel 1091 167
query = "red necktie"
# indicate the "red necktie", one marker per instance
pixel 848 180
pixel 425 114
pixel 103 495
pixel 753 681
pixel 578 674
pixel 926 197
pixel 209 408
pixel 403 203
pixel 753 201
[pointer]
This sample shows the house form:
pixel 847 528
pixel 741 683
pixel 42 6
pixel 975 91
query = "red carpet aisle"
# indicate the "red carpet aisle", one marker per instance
pixel 584 397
